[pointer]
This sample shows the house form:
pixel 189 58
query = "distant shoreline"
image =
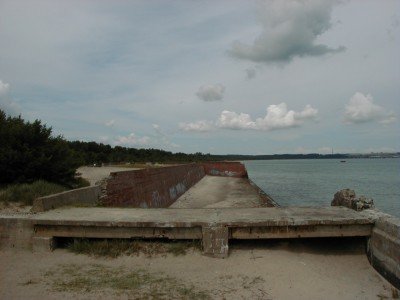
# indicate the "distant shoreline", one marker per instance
pixel 307 156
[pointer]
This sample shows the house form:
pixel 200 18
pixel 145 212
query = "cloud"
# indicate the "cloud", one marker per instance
pixel 162 139
pixel 361 109
pixel 251 73
pixel 4 88
pixel 199 126
pixel 211 92
pixel 110 123
pixel 232 120
pixel 8 105
pixel 277 117
pixel 132 140
pixel 289 29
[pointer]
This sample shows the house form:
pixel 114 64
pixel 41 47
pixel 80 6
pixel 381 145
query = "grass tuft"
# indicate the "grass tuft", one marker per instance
pixel 116 247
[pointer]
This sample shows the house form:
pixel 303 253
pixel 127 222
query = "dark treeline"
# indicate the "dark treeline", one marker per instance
pixel 92 152
pixel 279 156
pixel 97 153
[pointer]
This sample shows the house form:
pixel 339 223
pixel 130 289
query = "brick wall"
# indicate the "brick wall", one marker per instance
pixel 230 169
pixel 149 188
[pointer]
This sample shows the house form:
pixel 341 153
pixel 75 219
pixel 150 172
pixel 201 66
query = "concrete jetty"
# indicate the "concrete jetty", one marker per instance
pixel 213 202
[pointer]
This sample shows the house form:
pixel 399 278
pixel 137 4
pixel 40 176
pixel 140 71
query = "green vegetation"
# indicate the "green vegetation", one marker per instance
pixel 137 284
pixel 28 152
pixel 116 247
pixel 27 192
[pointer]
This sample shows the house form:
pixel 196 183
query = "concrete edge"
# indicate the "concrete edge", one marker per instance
pixel 383 249
pixel 265 198
pixel 86 196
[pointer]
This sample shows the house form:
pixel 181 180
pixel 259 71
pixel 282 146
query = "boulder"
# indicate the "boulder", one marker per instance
pixel 349 199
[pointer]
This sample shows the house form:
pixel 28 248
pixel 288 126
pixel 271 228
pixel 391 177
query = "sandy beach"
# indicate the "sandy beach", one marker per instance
pixel 269 269
pixel 308 269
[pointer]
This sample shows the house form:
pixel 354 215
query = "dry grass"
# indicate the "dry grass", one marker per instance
pixel 136 284
pixel 116 247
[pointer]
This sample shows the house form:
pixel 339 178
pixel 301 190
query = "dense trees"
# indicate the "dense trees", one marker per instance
pixel 29 152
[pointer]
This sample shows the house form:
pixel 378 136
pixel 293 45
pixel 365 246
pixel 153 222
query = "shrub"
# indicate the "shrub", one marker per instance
pixel 29 152
pixel 27 192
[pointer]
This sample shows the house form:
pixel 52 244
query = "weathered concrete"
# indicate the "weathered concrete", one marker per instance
pixel 150 188
pixel 383 249
pixel 214 226
pixel 215 241
pixel 219 192
pixel 245 217
pixel 16 232
pixel 87 196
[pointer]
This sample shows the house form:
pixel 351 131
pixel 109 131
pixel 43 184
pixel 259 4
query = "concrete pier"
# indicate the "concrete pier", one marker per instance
pixel 214 226
pixel 215 203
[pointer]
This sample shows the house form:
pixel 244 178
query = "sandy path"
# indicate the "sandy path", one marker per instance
pixel 267 270
pixel 95 174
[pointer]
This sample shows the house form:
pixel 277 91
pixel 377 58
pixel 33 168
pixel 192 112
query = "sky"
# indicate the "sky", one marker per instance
pixel 220 77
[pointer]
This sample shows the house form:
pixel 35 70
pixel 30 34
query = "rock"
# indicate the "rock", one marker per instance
pixel 348 199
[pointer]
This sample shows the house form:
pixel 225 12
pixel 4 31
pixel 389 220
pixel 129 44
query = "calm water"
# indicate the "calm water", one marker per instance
pixel 313 182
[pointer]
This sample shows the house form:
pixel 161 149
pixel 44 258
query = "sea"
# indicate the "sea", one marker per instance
pixel 313 182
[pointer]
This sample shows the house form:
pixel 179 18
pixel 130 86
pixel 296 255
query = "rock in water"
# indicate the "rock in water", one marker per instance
pixel 349 199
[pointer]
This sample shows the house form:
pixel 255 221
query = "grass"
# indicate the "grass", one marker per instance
pixel 116 247
pixel 27 192
pixel 138 284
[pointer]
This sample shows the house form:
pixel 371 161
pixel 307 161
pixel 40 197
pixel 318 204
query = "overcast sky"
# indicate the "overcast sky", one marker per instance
pixel 218 77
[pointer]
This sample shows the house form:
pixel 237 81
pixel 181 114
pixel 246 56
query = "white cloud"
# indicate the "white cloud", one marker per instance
pixel 232 120
pixel 361 109
pixel 211 92
pixel 289 29
pixel 8 105
pixel 199 126
pixel 4 88
pixel 277 117
pixel 132 140
pixel 110 123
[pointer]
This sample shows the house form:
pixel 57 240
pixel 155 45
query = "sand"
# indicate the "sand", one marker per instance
pixel 96 174
pixel 307 269
pixel 286 269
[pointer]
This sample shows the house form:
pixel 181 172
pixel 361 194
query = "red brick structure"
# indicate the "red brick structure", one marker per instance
pixel 160 187
pixel 225 168
pixel 147 188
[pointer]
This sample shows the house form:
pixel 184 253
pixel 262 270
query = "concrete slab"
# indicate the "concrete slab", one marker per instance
pixel 219 192
pixel 159 217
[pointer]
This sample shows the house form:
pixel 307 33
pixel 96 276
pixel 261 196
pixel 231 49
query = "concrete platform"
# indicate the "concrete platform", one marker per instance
pixel 215 226
pixel 214 192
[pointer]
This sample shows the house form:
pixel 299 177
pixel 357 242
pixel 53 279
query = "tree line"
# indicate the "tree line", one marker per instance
pixel 29 152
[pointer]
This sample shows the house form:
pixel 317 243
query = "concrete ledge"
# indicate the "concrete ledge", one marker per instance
pixel 43 244
pixel 383 249
pixel 215 241
pixel 16 233
pixel 87 196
